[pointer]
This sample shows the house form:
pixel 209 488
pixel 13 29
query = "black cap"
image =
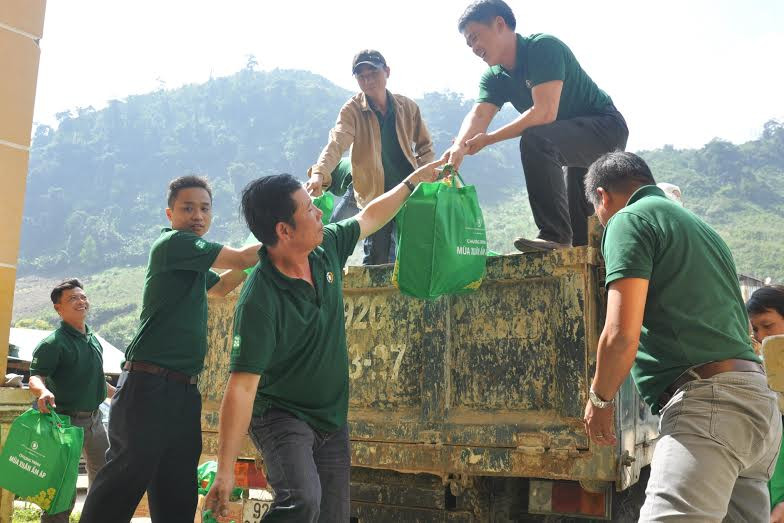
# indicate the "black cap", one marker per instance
pixel 370 57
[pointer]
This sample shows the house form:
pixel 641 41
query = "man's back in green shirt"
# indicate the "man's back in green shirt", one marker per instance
pixel 694 312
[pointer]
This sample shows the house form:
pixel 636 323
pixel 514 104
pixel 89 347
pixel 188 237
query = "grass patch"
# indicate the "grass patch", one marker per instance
pixel 32 514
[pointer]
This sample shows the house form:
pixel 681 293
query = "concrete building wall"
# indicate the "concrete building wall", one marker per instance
pixel 21 28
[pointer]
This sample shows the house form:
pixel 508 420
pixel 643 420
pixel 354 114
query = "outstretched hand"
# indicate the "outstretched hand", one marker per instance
pixel 477 143
pixel 314 185
pixel 217 499
pixel 428 172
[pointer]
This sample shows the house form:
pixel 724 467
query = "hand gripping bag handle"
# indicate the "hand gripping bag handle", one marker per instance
pixel 451 170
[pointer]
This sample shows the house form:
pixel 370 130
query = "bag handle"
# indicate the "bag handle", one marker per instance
pixel 449 170
pixel 57 421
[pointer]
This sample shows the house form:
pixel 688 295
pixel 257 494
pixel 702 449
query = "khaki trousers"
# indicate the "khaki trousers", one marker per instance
pixel 720 438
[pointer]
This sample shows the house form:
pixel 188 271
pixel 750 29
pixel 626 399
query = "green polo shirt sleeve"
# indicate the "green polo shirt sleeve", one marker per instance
pixel 341 236
pixel 491 89
pixel 46 358
pixel 546 60
pixel 187 251
pixel 254 338
pixel 628 247
pixel 212 278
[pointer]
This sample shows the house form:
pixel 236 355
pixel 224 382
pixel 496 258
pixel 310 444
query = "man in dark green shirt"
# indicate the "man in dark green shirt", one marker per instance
pixel 676 319
pixel 566 122
pixel 289 365
pixel 66 375
pixel 155 418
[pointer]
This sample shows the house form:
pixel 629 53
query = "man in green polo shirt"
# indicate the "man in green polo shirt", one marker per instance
pixel 388 139
pixel 676 319
pixel 289 365
pixel 155 418
pixel 566 122
pixel 66 375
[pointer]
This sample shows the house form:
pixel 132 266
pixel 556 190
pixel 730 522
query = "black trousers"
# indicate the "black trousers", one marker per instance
pixel 154 445
pixel 555 160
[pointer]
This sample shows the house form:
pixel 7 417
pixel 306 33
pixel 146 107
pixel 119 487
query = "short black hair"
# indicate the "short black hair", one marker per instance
pixel 57 292
pixel 484 12
pixel 766 298
pixel 186 182
pixel 617 171
pixel 266 202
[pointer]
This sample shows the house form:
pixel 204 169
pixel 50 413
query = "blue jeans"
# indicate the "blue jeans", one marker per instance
pixel 308 469
pixel 379 247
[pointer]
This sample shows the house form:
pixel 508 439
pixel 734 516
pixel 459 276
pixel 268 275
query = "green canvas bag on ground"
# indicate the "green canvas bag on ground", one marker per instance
pixel 442 245
pixel 40 460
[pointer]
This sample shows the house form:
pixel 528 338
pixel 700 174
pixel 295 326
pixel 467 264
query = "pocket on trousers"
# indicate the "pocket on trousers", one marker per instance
pixel 738 421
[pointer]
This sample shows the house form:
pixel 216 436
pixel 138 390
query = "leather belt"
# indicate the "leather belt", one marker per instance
pixel 167 374
pixel 708 370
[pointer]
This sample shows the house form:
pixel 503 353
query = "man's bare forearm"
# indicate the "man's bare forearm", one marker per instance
pixel 229 281
pixel 614 359
pixel 37 385
pixel 235 414
pixel 383 208
pixel 476 121
pixel 514 129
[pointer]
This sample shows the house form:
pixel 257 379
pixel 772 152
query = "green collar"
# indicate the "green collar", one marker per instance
pixel 70 329
pixel 281 280
pixel 645 190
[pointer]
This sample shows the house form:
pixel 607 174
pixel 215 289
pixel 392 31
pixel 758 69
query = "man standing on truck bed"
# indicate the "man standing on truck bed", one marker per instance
pixel 66 374
pixel 673 291
pixel 155 419
pixel 388 140
pixel 289 364
pixel 567 122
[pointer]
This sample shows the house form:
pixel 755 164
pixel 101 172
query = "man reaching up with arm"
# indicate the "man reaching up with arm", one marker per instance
pixel 289 364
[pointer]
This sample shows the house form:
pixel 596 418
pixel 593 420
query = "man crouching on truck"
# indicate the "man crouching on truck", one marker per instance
pixel 289 327
pixel 673 290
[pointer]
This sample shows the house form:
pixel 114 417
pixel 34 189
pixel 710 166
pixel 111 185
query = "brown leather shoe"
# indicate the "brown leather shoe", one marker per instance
pixel 538 245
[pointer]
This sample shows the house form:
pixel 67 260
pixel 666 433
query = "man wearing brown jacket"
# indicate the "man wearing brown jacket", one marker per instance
pixel 388 141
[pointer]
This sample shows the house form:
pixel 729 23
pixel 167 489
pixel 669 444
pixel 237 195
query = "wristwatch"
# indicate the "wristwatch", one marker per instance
pixel 410 185
pixel 598 402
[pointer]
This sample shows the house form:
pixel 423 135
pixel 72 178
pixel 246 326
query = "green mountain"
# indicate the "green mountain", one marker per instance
pixel 96 186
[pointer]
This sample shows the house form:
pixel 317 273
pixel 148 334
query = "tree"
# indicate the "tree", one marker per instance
pixel 89 253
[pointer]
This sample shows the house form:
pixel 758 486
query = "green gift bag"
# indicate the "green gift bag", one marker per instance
pixel 325 202
pixel 40 460
pixel 442 246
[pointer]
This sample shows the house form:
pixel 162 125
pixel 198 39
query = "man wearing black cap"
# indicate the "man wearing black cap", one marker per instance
pixel 388 139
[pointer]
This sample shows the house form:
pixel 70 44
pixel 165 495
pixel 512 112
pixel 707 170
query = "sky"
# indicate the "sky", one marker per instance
pixel 681 71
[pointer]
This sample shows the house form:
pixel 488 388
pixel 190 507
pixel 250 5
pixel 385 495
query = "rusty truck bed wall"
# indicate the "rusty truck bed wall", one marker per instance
pixel 485 384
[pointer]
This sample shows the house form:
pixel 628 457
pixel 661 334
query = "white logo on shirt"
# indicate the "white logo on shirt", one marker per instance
pixel 201 244
pixel 330 277
pixel 236 343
